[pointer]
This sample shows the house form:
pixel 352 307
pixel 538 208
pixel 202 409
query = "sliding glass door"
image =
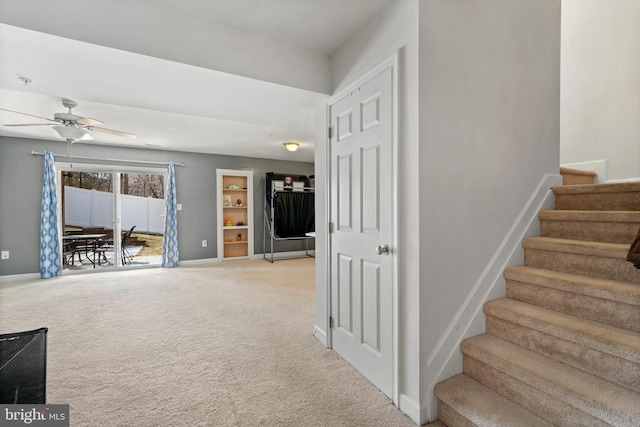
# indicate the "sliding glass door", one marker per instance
pixel 111 217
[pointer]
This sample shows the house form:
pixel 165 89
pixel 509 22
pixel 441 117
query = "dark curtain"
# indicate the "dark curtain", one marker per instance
pixel 294 213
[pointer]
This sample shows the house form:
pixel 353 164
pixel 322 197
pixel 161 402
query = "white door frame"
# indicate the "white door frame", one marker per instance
pixel 390 62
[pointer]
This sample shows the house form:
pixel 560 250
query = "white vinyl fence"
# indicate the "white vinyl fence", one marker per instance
pixel 91 208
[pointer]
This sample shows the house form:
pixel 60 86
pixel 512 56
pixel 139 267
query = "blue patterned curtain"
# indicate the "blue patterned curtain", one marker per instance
pixel 170 255
pixel 50 256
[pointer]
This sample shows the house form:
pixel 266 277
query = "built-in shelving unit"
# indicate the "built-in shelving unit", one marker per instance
pixel 235 214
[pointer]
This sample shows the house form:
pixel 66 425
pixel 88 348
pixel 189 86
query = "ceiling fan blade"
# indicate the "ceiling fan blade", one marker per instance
pixel 25 114
pixel 30 124
pixel 88 121
pixel 113 132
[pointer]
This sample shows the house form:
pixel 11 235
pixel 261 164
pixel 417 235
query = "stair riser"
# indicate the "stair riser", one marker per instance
pixel 588 265
pixel 594 231
pixel 592 361
pixel 544 405
pixel 571 176
pixel 624 201
pixel 451 418
pixel 571 179
pixel 608 312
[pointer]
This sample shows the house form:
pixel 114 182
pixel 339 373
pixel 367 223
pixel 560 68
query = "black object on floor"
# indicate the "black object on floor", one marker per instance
pixel 23 367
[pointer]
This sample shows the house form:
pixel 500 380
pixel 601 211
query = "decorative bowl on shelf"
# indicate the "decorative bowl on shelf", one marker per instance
pixel 233 187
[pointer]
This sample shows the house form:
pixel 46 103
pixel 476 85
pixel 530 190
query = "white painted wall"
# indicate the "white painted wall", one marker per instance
pixel 150 30
pixel 489 132
pixel 600 85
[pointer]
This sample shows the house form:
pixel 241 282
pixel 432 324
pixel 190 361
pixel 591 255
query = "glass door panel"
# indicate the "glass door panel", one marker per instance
pixel 142 218
pixel 87 219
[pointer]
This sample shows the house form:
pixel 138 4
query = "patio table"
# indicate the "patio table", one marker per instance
pixel 92 241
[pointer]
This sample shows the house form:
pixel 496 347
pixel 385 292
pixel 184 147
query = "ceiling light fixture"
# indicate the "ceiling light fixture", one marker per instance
pixel 291 145
pixel 73 133
pixel 26 80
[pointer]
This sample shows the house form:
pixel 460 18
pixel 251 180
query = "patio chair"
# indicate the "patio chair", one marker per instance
pixel 125 256
pixel 94 246
pixel 71 248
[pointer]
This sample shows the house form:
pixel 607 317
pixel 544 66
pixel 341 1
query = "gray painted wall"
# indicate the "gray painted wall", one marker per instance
pixel 21 177
pixel 489 131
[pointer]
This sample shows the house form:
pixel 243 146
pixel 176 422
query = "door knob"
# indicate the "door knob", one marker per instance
pixel 382 250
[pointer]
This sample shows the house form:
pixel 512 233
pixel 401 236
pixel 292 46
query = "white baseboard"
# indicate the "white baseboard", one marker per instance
pixel 600 167
pixel 276 256
pixel 321 335
pixel 613 181
pixel 446 360
pixel 199 261
pixel 410 409
pixel 19 277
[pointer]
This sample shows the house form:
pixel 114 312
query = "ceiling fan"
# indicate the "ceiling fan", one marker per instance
pixel 70 126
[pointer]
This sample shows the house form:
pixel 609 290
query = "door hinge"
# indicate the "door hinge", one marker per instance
pixel 330 322
pixel 330 228
pixel 330 132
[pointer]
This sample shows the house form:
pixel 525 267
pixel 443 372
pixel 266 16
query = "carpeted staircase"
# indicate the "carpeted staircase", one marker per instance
pixel 563 348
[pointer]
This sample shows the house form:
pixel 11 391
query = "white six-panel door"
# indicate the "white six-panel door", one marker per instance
pixel 361 213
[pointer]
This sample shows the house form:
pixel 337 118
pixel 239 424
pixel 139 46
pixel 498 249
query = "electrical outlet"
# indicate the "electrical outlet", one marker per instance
pixel 5 255
pixel 204 243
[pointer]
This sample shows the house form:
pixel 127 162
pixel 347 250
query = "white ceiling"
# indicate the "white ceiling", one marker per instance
pixel 316 25
pixel 171 105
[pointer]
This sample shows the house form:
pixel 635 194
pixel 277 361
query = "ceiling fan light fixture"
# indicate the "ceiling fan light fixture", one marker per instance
pixel 291 145
pixel 74 133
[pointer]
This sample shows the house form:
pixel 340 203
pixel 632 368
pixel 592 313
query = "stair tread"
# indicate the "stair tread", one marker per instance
pixel 614 290
pixel 483 406
pixel 618 187
pixel 573 171
pixel 584 247
pixel 607 401
pixel 608 339
pixel 589 216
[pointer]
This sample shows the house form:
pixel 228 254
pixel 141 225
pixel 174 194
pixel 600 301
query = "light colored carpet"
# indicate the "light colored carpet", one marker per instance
pixel 227 344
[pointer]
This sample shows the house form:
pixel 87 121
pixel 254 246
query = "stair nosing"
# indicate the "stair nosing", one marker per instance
pixel 572 171
pixel 609 289
pixel 589 216
pixel 582 247
pixel 618 187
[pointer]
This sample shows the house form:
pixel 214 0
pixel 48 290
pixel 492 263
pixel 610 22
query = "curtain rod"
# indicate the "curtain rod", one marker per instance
pixel 35 153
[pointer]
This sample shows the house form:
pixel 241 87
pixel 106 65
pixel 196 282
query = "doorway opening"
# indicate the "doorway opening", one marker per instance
pixel 111 218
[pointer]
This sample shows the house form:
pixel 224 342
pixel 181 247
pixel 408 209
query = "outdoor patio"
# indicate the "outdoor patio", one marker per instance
pixel 137 260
